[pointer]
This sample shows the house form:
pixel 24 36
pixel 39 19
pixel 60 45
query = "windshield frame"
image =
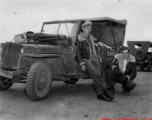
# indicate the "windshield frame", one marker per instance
pixel 65 22
pixel 61 22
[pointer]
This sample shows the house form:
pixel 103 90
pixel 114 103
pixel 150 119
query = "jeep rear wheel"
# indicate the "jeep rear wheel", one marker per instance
pixel 5 83
pixel 39 81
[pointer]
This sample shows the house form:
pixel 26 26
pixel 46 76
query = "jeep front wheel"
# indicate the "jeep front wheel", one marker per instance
pixel 39 81
pixel 5 83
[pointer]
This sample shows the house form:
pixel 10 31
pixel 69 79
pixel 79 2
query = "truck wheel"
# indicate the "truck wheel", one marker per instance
pixel 39 81
pixel 4 85
pixel 140 54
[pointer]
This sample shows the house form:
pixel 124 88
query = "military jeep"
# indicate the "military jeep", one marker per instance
pixel 37 59
pixel 142 50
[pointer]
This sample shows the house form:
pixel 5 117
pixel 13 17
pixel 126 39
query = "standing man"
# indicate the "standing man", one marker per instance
pixel 122 70
pixel 89 62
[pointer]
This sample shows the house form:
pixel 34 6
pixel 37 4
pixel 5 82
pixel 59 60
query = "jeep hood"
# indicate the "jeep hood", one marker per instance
pixel 48 38
pixel 42 49
pixel 30 37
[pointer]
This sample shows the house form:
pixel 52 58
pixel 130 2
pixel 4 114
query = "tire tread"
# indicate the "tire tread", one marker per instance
pixel 29 83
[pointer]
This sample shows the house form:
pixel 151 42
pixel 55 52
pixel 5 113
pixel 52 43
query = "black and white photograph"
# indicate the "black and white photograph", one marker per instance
pixel 76 60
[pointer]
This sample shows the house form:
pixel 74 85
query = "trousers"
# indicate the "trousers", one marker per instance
pixel 95 70
pixel 114 77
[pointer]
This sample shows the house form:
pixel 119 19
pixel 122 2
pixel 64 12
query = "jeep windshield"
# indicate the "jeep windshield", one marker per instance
pixel 60 28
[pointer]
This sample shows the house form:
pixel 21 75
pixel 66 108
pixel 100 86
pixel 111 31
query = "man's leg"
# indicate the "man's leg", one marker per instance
pixel 110 79
pixel 95 71
pixel 114 77
pixel 120 78
pixel 127 86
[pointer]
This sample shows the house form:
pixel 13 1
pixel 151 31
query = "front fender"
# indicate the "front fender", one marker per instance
pixel 55 62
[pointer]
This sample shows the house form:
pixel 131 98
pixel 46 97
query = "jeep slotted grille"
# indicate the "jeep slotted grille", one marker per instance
pixel 10 54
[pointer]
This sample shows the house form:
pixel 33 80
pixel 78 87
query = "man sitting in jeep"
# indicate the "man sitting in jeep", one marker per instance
pixel 90 62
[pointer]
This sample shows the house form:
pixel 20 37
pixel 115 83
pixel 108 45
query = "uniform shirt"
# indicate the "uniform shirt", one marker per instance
pixel 124 65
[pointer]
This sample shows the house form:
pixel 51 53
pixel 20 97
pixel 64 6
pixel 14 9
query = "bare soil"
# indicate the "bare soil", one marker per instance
pixel 78 102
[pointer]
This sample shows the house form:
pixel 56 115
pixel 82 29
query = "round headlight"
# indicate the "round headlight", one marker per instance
pixel 22 50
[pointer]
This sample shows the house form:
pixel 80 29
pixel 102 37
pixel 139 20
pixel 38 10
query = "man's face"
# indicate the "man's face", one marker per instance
pixel 125 54
pixel 87 29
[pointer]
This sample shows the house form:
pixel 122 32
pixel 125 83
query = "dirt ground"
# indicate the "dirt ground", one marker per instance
pixel 78 102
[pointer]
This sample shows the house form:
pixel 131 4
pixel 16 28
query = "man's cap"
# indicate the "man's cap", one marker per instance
pixel 123 48
pixel 86 23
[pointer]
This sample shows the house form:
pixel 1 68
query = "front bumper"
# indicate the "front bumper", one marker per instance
pixel 9 74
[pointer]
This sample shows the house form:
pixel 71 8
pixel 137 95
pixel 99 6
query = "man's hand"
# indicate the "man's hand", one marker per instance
pixel 113 67
pixel 128 77
pixel 102 44
pixel 125 79
pixel 83 68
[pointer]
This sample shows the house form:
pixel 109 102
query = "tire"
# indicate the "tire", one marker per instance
pixel 4 85
pixel 39 81
pixel 140 54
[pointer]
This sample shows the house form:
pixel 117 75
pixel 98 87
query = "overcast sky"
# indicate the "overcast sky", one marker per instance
pixel 18 16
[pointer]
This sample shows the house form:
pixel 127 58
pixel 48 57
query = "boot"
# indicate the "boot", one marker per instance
pixel 109 95
pixel 102 96
pixel 111 89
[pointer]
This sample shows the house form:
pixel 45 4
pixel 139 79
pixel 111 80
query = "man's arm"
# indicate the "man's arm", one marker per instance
pixel 114 63
pixel 99 43
pixel 78 54
pixel 133 72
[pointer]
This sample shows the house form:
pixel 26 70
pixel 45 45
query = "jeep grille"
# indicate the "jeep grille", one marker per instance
pixel 10 55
